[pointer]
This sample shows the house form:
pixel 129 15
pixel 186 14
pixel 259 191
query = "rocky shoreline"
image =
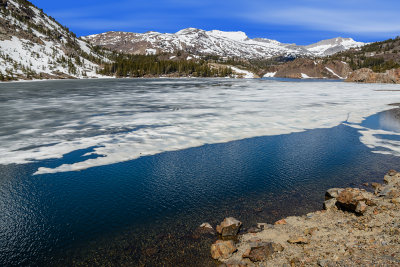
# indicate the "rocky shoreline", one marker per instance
pixel 356 228
pixel 366 75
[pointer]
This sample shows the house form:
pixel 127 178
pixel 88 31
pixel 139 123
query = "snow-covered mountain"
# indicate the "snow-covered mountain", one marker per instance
pixel 332 46
pixel 34 45
pixel 225 44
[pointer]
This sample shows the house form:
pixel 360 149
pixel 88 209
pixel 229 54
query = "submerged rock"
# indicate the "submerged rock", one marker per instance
pixel 222 249
pixel 229 227
pixel 202 230
pixel 206 226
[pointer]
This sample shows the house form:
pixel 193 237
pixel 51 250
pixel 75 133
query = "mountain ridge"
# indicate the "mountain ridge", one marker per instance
pixel 215 42
pixel 34 45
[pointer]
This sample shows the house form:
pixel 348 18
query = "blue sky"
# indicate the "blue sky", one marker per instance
pixel 291 21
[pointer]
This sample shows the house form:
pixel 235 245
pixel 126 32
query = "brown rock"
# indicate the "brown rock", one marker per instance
pixel 262 251
pixel 298 240
pixel 310 231
pixel 376 185
pixel 395 200
pixel 389 191
pixel 349 199
pixel 330 204
pixel 280 222
pixel 391 178
pixel 222 249
pixel 332 193
pixel 361 207
pixel 394 193
pixel 229 227
pixel 295 262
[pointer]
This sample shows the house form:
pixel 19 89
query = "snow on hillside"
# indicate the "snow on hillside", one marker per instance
pixel 240 73
pixel 34 45
pixel 215 42
pixel 237 36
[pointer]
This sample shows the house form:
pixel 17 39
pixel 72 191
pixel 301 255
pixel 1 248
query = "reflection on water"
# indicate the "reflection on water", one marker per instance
pixel 381 132
pixel 146 210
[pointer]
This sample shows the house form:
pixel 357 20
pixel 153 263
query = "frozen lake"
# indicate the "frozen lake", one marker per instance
pixel 121 172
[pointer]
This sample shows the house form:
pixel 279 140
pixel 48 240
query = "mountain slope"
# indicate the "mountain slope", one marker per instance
pixel 378 56
pixel 332 46
pixel 219 43
pixel 34 45
pixel 304 68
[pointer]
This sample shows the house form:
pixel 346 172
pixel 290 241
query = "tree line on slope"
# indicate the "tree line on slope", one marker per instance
pixel 123 65
pixel 378 56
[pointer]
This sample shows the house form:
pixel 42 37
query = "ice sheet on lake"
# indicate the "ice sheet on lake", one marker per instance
pixel 127 119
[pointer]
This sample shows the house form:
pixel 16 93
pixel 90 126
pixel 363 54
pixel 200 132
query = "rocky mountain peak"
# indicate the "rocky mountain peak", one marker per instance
pixel 188 31
pixel 332 46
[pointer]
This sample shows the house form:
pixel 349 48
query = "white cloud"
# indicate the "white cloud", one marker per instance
pixel 344 19
pixel 353 17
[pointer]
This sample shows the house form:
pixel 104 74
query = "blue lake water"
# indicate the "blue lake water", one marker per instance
pixel 143 211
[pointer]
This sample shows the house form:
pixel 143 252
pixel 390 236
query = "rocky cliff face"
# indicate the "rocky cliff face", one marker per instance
pixel 366 75
pixel 308 68
pixel 220 43
pixel 34 45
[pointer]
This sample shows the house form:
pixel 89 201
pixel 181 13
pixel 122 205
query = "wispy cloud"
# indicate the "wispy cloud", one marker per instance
pixel 330 19
pixel 256 17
